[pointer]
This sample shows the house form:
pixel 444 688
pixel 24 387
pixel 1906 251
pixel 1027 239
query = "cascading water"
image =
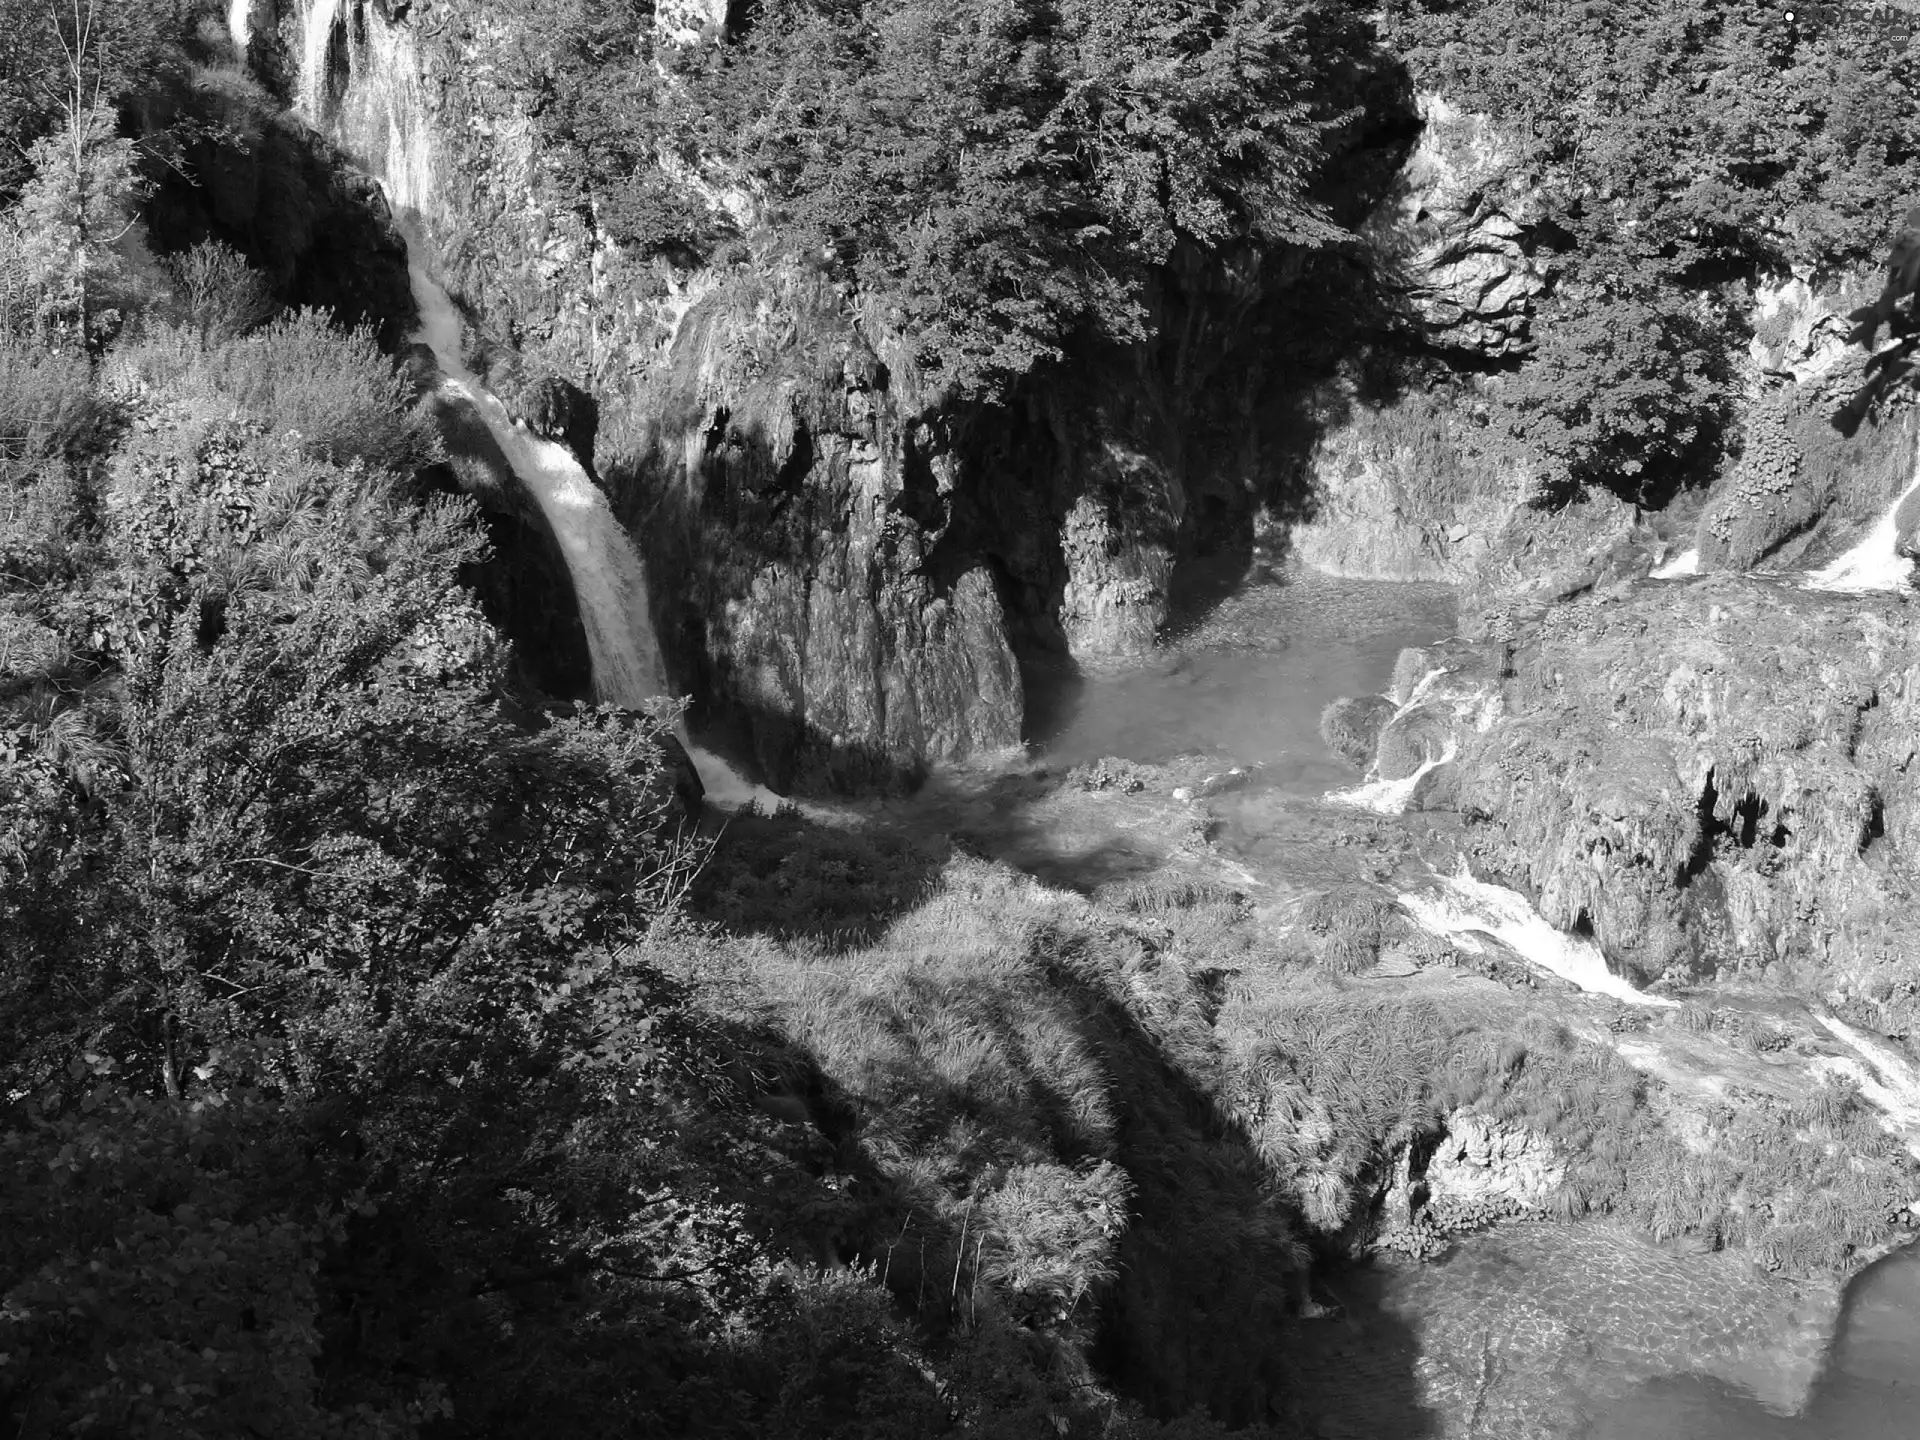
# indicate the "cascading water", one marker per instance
pixel 609 579
pixel 1680 566
pixel 1462 909
pixel 1876 562
pixel 382 119
pixel 316 38
pixel 240 24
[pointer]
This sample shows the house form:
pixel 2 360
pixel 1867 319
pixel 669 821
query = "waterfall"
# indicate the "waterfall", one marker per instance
pixel 240 24
pixel 383 121
pixel 384 124
pixel 316 38
pixel 1467 911
pixel 1391 797
pixel 1888 1080
pixel 608 578
pixel 1686 563
pixel 1876 562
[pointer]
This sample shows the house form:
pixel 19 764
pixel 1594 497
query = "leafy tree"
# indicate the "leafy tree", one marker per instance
pixel 75 211
pixel 992 181
pixel 1619 396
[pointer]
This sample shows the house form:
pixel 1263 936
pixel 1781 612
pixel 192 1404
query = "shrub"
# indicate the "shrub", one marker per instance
pixel 222 295
pixel 300 375
pixel 49 407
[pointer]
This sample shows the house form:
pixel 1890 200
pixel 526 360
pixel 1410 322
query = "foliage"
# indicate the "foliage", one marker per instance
pixel 116 53
pixel 1621 389
pixel 995 181
pixel 222 295
pixel 298 375
pixel 74 213
pixel 155 1293
pixel 1686 135
pixel 1673 147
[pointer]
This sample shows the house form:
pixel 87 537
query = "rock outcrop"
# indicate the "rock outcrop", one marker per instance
pixel 1708 777
pixel 1454 234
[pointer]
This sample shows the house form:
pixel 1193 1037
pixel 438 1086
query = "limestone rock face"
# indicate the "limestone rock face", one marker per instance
pixel 1115 599
pixel 1706 776
pixel 1454 229
pixel 1483 1159
pixel 813 581
pixel 1800 332
pixel 1404 490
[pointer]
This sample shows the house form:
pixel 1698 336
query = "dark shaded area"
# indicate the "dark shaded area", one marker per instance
pixel 321 232
pixel 1213 1306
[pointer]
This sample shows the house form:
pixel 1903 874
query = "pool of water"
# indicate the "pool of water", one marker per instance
pixel 1247 684
pixel 1868 1389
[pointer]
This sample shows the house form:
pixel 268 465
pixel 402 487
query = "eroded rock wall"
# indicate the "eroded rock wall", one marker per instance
pixel 1709 777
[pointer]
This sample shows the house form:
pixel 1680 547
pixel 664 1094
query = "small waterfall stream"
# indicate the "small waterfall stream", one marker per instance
pixel 1876 562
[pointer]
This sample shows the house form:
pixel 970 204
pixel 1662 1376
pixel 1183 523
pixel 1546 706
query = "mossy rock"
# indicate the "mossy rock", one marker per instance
pixel 1351 726
pixel 1438 789
pixel 1412 738
pixel 1412 666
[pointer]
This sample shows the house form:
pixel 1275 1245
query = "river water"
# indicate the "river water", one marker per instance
pixel 1868 1388
pixel 1246 685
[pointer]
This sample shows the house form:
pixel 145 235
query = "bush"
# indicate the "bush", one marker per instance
pixel 300 375
pixel 223 296
pixel 49 408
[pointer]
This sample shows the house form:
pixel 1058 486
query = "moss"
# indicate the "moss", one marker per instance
pixel 1415 737
pixel 1351 727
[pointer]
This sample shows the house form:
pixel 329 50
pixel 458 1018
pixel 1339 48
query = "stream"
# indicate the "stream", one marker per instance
pixel 1595 1334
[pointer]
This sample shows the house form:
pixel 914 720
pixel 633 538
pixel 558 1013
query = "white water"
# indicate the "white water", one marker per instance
pixel 382 122
pixel 315 36
pixel 608 578
pixel 1686 563
pixel 1390 797
pixel 1468 912
pixel 1888 1081
pixel 240 24
pixel 1876 562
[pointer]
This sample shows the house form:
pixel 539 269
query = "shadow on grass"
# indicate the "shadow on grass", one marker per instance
pixel 964 1023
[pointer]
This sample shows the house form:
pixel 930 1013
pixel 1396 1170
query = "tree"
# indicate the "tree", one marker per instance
pixel 80 202
pixel 993 182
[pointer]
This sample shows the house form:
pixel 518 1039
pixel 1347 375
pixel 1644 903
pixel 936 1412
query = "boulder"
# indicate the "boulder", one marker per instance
pixel 557 409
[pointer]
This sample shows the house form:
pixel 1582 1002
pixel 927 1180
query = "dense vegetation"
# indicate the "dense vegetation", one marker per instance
pixel 995 181
pixel 383 1052
pixel 1676 148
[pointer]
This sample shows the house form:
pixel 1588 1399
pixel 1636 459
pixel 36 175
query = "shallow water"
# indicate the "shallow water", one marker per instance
pixel 1247 684
pixel 1869 1388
